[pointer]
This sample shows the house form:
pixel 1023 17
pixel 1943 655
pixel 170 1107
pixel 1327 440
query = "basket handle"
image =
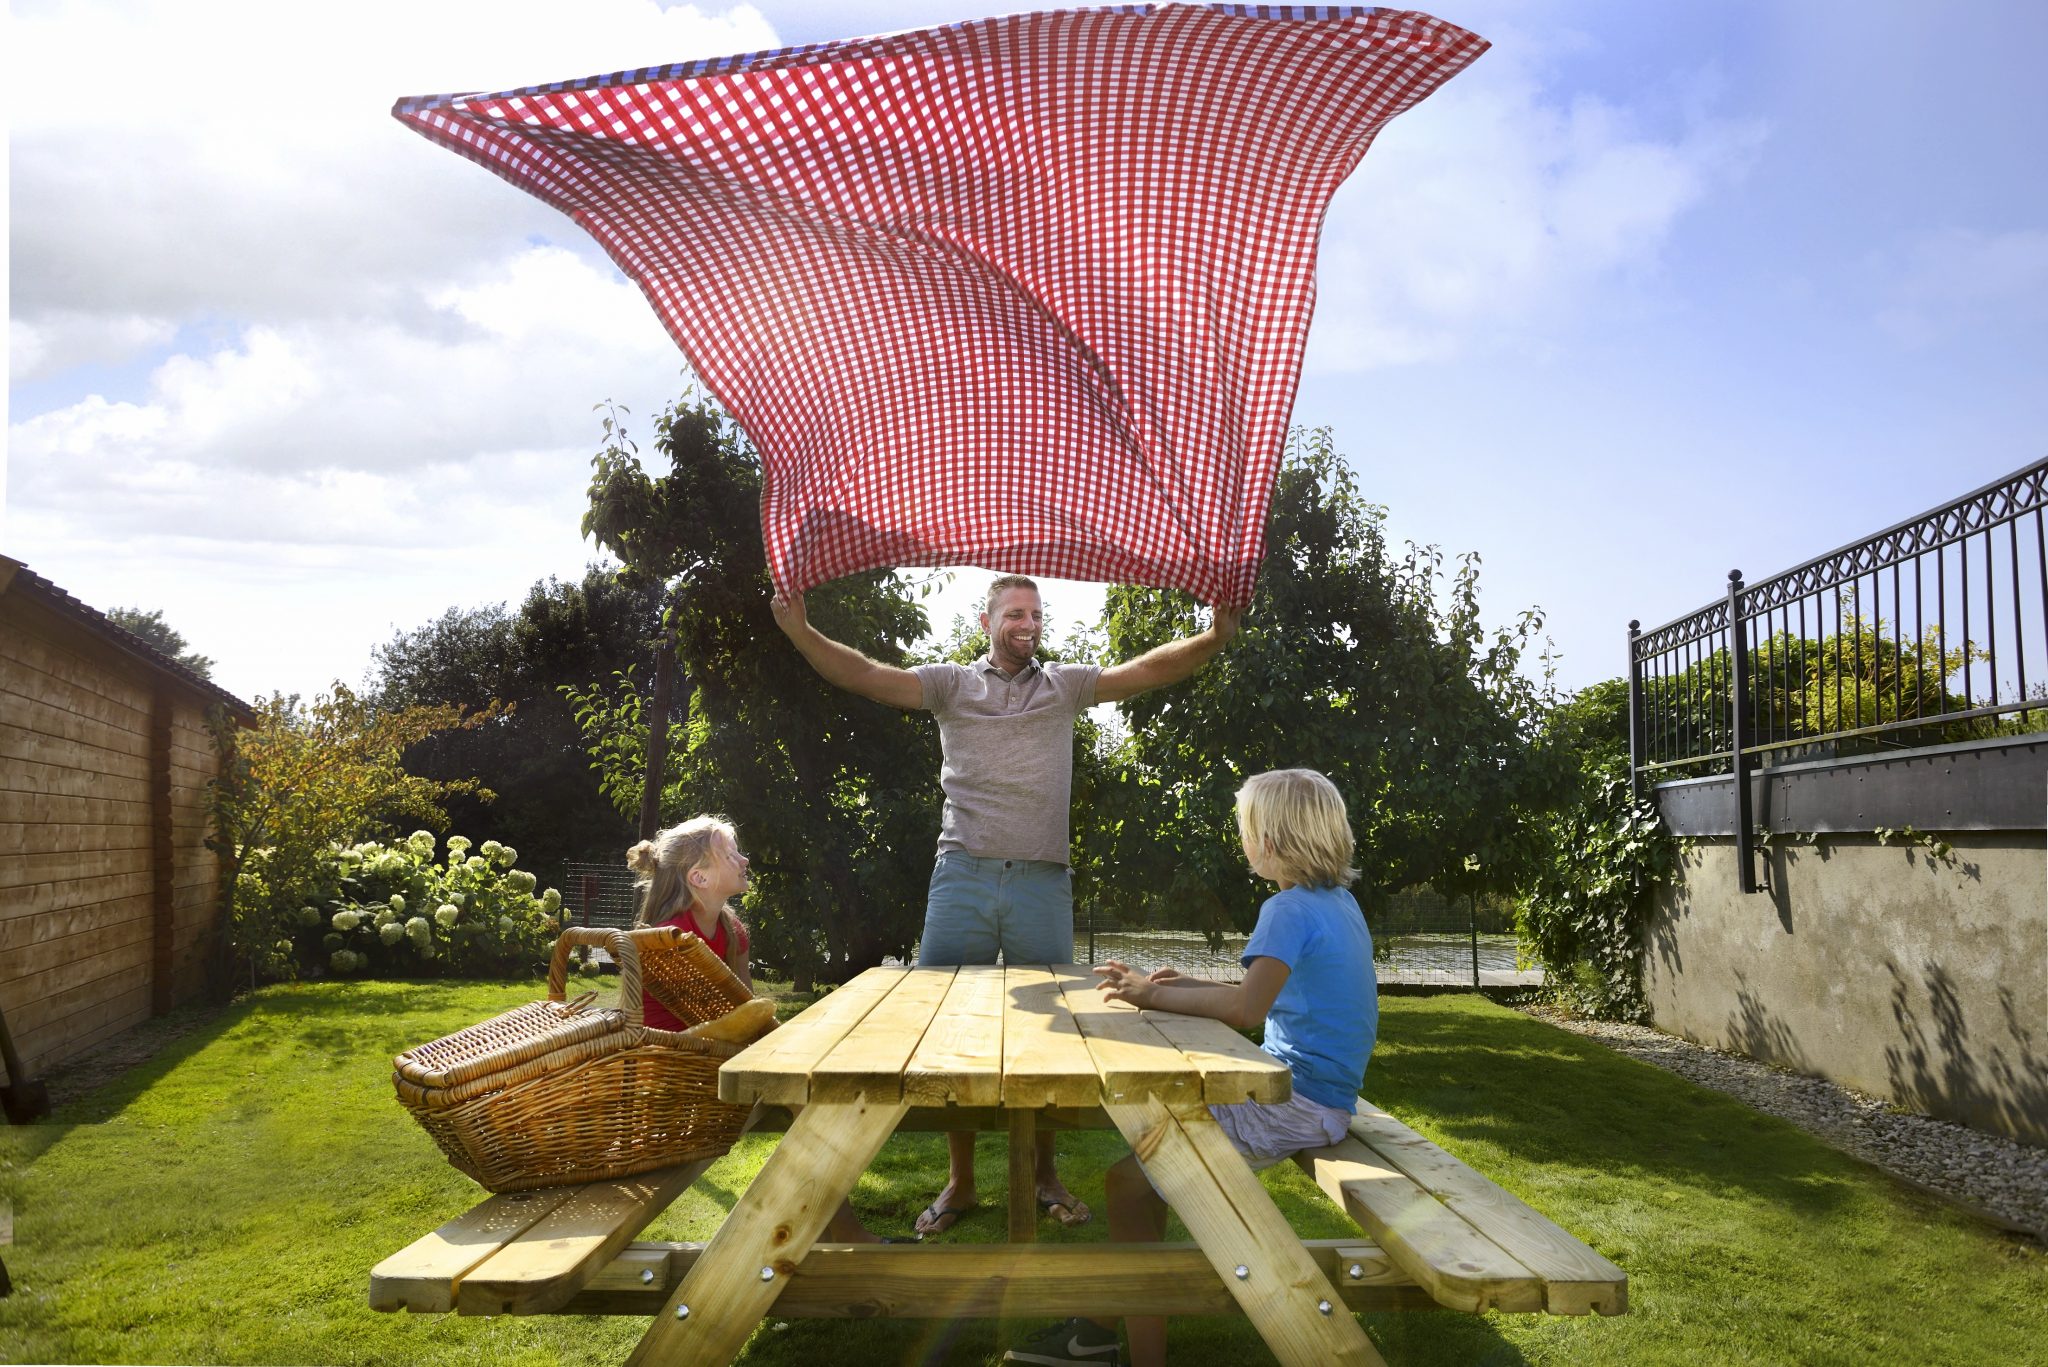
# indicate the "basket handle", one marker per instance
pixel 620 946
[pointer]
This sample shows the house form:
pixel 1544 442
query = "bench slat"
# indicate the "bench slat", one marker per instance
pixel 552 1260
pixel 422 1275
pixel 1446 1257
pixel 1576 1279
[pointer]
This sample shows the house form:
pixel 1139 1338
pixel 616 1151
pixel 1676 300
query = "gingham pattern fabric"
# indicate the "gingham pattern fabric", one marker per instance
pixel 1026 293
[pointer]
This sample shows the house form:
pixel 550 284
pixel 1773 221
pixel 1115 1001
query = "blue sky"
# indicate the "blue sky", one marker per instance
pixel 1649 293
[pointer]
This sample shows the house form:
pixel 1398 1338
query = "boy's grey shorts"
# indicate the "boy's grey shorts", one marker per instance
pixel 1269 1132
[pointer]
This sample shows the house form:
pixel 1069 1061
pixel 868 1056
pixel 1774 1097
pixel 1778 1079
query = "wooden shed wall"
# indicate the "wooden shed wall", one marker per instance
pixel 108 896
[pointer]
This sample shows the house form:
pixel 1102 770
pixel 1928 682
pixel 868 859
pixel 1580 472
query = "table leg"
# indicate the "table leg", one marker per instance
pixel 1219 1198
pixel 770 1229
pixel 1023 1177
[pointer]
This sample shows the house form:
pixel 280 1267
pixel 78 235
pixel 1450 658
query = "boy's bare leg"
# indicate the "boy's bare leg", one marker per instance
pixel 1137 1215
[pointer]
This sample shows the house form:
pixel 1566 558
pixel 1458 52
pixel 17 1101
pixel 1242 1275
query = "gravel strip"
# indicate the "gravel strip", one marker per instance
pixel 1999 1179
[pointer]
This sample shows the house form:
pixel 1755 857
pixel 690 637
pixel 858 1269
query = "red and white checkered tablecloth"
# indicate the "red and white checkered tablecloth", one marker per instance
pixel 1027 293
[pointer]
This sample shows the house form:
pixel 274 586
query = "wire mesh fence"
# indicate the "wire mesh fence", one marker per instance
pixel 1421 936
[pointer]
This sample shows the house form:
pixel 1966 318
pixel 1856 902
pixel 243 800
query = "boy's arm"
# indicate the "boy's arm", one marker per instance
pixel 1240 1003
pixel 842 665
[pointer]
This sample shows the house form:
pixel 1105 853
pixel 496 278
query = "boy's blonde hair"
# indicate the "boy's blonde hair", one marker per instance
pixel 664 865
pixel 1297 817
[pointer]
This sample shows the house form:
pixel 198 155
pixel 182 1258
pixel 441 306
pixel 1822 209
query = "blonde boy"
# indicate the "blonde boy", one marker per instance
pixel 1308 975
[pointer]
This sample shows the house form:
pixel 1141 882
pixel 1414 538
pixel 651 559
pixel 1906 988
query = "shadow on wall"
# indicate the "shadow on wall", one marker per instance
pixel 1997 1085
pixel 1754 1031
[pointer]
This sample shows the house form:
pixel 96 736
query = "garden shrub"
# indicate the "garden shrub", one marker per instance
pixel 378 909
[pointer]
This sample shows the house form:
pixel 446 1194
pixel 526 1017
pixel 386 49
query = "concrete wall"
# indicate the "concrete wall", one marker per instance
pixel 1914 979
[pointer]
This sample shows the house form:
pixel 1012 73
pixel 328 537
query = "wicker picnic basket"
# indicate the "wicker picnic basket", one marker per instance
pixel 557 1092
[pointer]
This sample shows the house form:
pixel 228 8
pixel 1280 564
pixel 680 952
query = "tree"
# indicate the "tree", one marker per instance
pixel 1368 667
pixel 158 633
pixel 836 797
pixel 549 803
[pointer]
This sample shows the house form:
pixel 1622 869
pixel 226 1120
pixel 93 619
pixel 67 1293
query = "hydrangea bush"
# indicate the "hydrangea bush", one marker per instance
pixel 404 909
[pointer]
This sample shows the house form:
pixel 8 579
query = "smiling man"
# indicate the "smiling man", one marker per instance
pixel 1002 885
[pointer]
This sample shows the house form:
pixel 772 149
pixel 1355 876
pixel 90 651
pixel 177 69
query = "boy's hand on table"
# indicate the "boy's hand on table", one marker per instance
pixel 1121 984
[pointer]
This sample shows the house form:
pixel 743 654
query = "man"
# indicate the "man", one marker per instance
pixel 1002 882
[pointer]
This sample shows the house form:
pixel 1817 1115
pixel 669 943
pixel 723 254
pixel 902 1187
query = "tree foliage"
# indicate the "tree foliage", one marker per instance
pixel 159 634
pixel 549 803
pixel 835 797
pixel 1368 665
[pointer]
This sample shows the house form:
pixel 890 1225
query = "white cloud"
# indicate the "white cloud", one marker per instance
pixel 1493 211
pixel 1943 283
pixel 244 162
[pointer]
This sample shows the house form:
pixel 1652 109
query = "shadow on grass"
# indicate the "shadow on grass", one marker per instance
pixel 1544 1097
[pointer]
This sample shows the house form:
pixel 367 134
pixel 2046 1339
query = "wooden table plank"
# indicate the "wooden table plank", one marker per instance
pixel 423 1275
pixel 1232 1067
pixel 553 1259
pixel 767 1233
pixel 1000 1281
pixel 777 1067
pixel 1448 1258
pixel 1134 1060
pixel 1045 1060
pixel 871 1058
pixel 1213 1190
pixel 1576 1280
pixel 960 1059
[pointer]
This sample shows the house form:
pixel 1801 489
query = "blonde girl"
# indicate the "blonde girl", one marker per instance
pixel 689 875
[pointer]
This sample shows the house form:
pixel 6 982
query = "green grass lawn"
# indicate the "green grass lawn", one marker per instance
pixel 225 1202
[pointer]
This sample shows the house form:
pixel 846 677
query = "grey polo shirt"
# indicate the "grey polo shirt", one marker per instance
pixel 1008 742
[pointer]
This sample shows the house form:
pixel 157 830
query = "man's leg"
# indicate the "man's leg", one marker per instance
pixel 1035 918
pixel 959 928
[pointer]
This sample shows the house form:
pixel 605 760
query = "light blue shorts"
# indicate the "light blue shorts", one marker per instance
pixel 1270 1132
pixel 1022 909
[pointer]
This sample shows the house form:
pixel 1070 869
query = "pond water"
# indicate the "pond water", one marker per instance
pixel 1413 958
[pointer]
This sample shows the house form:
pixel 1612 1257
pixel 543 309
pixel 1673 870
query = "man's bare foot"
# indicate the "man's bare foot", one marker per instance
pixel 1055 1200
pixel 945 1210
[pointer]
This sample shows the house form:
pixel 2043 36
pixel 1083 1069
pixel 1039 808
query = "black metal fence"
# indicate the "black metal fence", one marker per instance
pixel 1933 631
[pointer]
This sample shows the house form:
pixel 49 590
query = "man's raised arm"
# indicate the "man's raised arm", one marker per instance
pixel 1170 663
pixel 842 665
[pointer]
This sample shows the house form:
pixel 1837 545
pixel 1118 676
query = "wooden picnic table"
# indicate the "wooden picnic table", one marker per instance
pixel 1011 1048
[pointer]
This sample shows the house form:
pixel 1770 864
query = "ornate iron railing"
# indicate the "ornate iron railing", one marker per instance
pixel 1809 664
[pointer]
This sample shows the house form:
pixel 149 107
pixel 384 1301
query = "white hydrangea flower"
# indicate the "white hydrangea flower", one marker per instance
pixel 309 916
pixel 551 900
pixel 391 932
pixel 421 843
pixel 489 849
pixel 456 845
pixel 418 929
pixel 346 920
pixel 446 914
pixel 507 856
pixel 504 925
pixel 475 861
pixel 398 903
pixel 522 880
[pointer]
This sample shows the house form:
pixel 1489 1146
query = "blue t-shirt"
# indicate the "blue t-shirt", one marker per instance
pixel 1325 1020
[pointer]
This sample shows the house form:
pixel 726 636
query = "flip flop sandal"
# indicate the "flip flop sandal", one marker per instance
pixel 1077 1214
pixel 934 1213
